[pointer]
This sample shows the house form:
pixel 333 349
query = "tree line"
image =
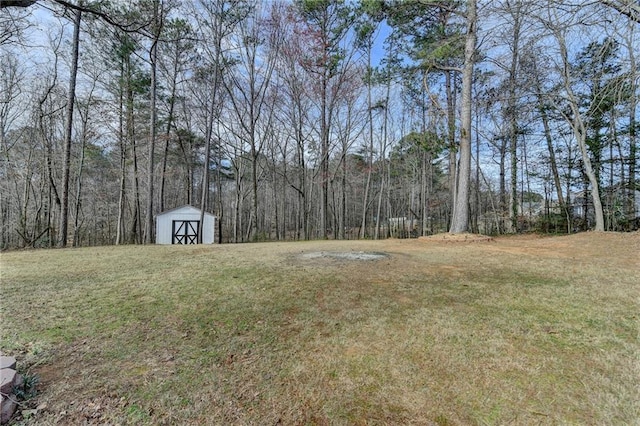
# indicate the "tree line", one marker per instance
pixel 316 118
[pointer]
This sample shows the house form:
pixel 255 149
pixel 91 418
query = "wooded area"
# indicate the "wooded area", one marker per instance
pixel 316 118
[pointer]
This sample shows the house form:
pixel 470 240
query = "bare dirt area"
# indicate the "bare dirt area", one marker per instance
pixel 457 238
pixel 622 248
pixel 349 255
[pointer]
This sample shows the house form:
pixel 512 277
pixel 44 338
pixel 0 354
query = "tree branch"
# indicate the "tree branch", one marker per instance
pixel 132 27
pixel 127 27
pixel 447 68
pixel 16 3
pixel 629 8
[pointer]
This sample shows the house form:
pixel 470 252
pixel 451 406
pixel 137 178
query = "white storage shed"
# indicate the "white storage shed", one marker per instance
pixel 180 226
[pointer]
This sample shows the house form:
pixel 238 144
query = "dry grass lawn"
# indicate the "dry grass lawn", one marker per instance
pixel 441 331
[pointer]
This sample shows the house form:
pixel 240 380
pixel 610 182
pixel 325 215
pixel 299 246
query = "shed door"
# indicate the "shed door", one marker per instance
pixel 185 232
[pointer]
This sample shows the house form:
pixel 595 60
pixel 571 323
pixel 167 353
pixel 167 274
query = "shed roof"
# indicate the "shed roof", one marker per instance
pixel 188 207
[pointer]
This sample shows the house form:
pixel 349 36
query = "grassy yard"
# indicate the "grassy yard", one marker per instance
pixel 518 330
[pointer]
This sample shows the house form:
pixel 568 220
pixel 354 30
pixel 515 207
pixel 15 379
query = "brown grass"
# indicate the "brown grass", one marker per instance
pixel 514 330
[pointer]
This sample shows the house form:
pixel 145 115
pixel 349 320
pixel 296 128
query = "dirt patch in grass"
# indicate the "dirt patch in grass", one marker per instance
pixel 522 330
pixel 351 255
pixel 457 238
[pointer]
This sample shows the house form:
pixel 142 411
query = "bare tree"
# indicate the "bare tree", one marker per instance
pixel 71 96
pixel 219 19
pixel 248 88
pixel 13 25
pixel 294 115
pixel 85 112
pixel 327 26
pixel 629 8
pixel 628 37
pixel 515 9
pixel 176 52
pixel 460 216
pixel 11 76
pixel 157 22
pixel 575 116
pixel 543 107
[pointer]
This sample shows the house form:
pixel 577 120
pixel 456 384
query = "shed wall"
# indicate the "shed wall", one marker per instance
pixel 164 224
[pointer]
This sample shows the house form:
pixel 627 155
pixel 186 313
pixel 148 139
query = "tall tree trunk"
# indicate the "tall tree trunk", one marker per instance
pixel 71 96
pixel 254 188
pixel 425 175
pixel 633 141
pixel 283 193
pixel 478 196
pixel 204 196
pixel 53 190
pixel 376 233
pixel 324 158
pixel 383 147
pixel 302 183
pixel 120 227
pixel 135 231
pixel 186 148
pixel 580 132
pixel 451 133
pixel 172 103
pixel 276 202
pixel 85 134
pixel 513 115
pixel 78 205
pixel 504 209
pixel 220 207
pixel 153 60
pixel 218 35
pixel 237 231
pixel 24 206
pixel 460 219
pixel 552 159
pixel 302 165
pixel 342 223
pixel 365 200
pixel 542 108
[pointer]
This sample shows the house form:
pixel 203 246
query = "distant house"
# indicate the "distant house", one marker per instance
pixel 616 203
pixel 180 226
pixel 613 196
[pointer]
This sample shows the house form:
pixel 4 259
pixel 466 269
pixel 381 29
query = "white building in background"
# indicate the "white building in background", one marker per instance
pixel 180 226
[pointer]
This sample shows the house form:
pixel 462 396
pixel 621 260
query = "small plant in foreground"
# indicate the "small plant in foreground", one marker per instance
pixel 28 389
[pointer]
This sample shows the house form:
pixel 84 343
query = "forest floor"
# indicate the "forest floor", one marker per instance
pixel 439 330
